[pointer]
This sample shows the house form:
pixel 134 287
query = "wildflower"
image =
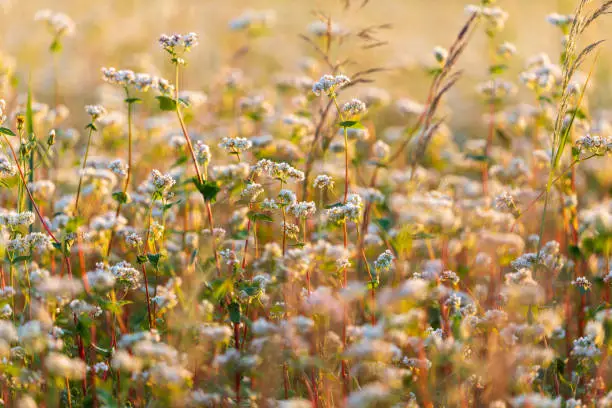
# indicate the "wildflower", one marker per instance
pixel 235 145
pixel 162 182
pixel 384 261
pixel 59 24
pixel 65 367
pixel 202 153
pixel 286 197
pixel 302 209
pixel 251 192
pixel 252 20
pixel 95 111
pixel 118 167
pixel 323 181
pixel 582 283
pixel 354 108
pixel 329 84
pixel 172 43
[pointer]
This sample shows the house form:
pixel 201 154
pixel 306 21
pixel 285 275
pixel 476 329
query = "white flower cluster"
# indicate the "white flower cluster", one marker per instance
pixel 171 42
pixel 329 84
pixel 302 209
pixel 384 261
pixel 594 144
pixel 162 182
pixel 280 171
pixel 323 181
pixel 235 144
pixel 58 23
pixel 140 81
pixel 350 211
pixel 95 111
pixel 354 107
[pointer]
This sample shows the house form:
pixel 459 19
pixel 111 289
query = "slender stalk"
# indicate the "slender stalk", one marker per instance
pixel 129 169
pixel 201 178
pixel 78 194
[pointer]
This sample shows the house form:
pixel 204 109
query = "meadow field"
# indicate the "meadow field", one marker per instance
pixel 305 203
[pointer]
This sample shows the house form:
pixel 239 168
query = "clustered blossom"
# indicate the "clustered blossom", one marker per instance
pixel 384 261
pixel 140 81
pixel 323 182
pixel 162 182
pixel 594 144
pixel 235 145
pixel 95 111
pixel 354 107
pixel 173 42
pixel 280 171
pixel 350 211
pixel 329 84
pixel 302 209
pixel 59 24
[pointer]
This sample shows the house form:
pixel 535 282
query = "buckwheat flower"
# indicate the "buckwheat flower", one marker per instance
pixel 302 209
pixel 354 107
pixel 381 150
pixel 322 28
pixel 253 20
pixel 251 192
pixel 560 20
pixel 228 256
pixel 323 182
pixel 582 283
pixel 14 219
pixel 536 400
pixel 177 42
pixel 235 145
pixel 162 182
pixel 7 168
pixel 505 203
pixel 123 361
pixel 125 275
pixel 79 307
pixel 202 153
pixel 2 109
pixel 496 88
pixel 63 366
pixel 58 287
pixel 343 263
pixel 8 333
pixel 269 204
pixel 506 50
pixel 384 261
pixel 329 84
pixel 199 398
pixel 594 144
pixel 291 230
pixel 38 241
pixel 585 348
pixel 286 198
pixel 59 24
pixel 6 312
pixel 100 368
pixel 369 395
pixel 95 111
pixel 372 195
pixel 42 189
pixel 133 240
pixel 118 167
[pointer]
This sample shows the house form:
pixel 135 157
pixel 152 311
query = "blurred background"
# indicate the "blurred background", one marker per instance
pixel 123 34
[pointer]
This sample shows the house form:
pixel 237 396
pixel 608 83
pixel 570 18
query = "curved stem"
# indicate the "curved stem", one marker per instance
pixel 78 194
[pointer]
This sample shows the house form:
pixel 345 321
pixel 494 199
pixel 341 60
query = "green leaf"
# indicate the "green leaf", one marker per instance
pixel 91 126
pixel 235 312
pixel 351 124
pixel 7 131
pixel 154 259
pixel 166 103
pixel 19 259
pixel 208 189
pixel 141 259
pixel 257 216
pixel 497 69
pixel 478 157
pixel 133 100
pixel 334 205
pixel 121 197
pixel 56 46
